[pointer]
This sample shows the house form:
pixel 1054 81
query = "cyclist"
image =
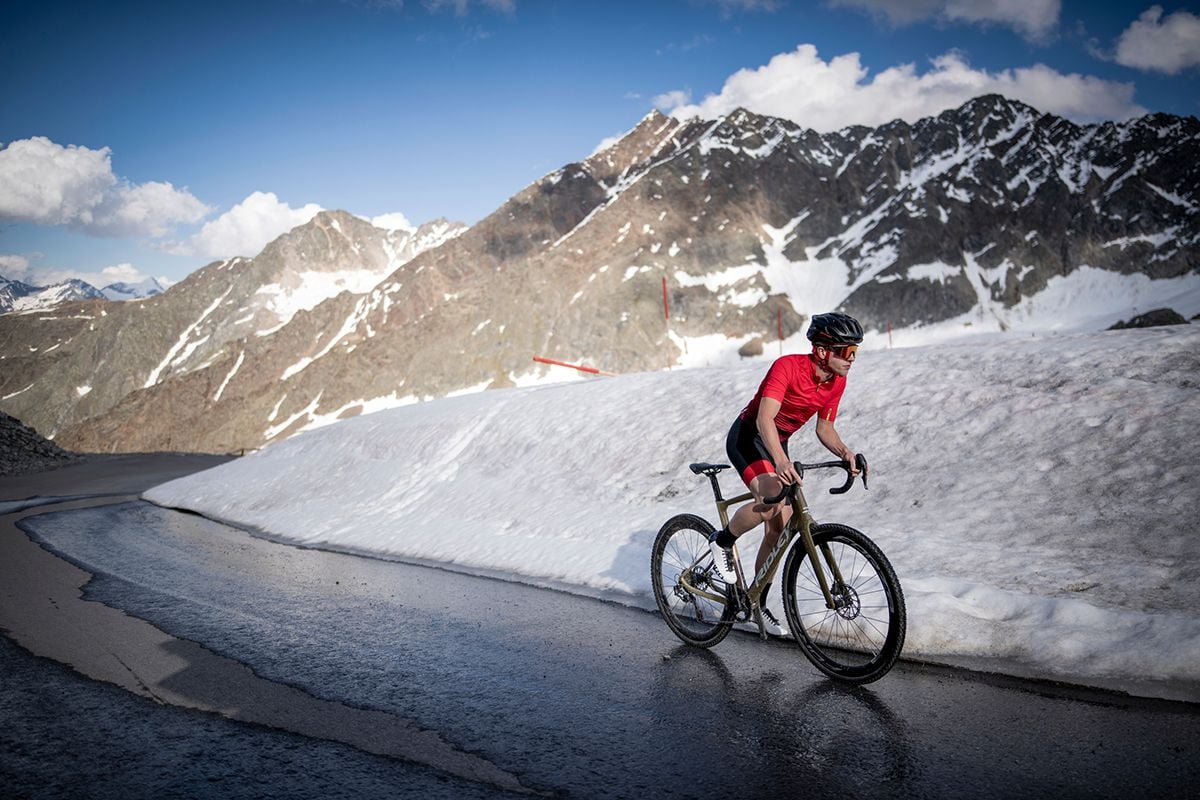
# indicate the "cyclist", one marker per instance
pixel 795 388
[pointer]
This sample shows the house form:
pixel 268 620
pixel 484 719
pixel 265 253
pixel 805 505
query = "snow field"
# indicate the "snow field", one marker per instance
pixel 1036 494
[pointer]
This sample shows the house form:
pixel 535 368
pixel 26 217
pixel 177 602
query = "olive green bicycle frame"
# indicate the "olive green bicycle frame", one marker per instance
pixel 800 524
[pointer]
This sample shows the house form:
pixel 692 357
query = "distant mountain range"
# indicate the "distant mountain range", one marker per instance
pixel 133 291
pixel 989 217
pixel 18 296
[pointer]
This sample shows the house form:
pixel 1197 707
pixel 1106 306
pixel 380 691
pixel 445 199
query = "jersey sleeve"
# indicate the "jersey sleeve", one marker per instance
pixel 779 377
pixel 829 410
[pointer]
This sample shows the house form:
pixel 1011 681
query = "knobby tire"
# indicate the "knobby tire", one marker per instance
pixel 682 543
pixel 860 640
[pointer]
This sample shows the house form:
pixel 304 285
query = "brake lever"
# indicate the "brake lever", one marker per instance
pixel 860 461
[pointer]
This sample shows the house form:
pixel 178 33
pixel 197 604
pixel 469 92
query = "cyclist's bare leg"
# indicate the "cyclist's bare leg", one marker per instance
pixel 752 514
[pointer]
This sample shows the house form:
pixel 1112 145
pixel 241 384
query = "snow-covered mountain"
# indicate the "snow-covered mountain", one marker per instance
pixel 18 296
pixel 11 291
pixel 133 291
pixel 988 218
pixel 74 362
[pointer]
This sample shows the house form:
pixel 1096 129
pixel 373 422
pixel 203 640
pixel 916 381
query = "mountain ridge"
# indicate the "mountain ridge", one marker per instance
pixel 19 296
pixel 755 223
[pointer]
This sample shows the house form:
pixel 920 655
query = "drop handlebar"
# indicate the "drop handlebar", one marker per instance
pixel 859 460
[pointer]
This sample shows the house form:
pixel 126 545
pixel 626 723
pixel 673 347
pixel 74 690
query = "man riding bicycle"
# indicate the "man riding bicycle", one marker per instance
pixel 795 388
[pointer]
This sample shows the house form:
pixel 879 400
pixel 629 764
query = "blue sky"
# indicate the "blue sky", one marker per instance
pixel 150 138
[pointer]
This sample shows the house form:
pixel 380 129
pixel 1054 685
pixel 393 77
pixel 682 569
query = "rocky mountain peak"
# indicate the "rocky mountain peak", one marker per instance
pixel 993 106
pixel 330 240
pixel 982 218
pixel 19 296
pixel 632 151
pixel 746 131
pixel 123 290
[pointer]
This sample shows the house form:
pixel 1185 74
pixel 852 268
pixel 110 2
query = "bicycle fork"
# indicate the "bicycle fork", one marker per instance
pixel 816 555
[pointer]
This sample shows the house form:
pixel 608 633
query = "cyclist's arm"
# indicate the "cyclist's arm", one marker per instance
pixel 834 444
pixel 768 408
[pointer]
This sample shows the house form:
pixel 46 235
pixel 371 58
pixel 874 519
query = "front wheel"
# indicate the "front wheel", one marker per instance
pixel 693 599
pixel 859 639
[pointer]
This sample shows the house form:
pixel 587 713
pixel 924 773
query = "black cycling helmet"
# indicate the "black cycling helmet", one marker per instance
pixel 834 329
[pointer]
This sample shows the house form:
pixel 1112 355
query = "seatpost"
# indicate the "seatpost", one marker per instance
pixel 716 487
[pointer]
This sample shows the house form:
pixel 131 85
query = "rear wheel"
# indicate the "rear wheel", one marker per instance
pixel 860 639
pixel 680 555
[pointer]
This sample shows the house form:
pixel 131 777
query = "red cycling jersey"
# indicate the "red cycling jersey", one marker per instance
pixel 792 381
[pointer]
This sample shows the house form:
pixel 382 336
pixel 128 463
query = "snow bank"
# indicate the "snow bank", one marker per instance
pixel 1036 494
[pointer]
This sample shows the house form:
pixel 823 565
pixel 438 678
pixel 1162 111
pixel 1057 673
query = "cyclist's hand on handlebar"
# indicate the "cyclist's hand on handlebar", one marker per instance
pixel 848 456
pixel 786 471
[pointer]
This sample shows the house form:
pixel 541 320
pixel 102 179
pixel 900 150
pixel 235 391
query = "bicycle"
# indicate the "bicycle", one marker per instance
pixel 850 623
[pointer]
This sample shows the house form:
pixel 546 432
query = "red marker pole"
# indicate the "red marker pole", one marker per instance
pixel 580 367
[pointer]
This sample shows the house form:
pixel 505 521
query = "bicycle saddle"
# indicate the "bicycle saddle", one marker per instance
pixel 707 469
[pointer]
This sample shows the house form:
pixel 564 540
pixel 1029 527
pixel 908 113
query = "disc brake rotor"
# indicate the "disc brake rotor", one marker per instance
pixel 849 606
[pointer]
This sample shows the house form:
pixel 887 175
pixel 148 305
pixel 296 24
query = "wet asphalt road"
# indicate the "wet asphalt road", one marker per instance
pixel 65 736
pixel 574 696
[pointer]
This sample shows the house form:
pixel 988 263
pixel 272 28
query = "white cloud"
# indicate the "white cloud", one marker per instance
pixel 605 143
pixel 1168 45
pixel 20 268
pixel 118 273
pixel 49 184
pixel 1033 19
pixel 246 228
pixel 14 267
pixel 673 99
pixel 898 12
pixel 697 41
pixel 461 7
pixel 395 221
pixel 829 95
pixel 730 6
